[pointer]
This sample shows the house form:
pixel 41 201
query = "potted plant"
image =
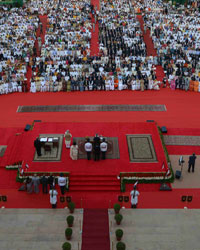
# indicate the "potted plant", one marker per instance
pixel 71 206
pixel 120 246
pixel 117 207
pixel 68 233
pixel 119 234
pixel 66 246
pixel 70 220
pixel 118 218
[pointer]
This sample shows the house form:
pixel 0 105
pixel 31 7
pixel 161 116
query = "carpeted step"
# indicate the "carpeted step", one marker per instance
pixel 105 188
pixel 93 178
pixel 95 182
pixel 13 151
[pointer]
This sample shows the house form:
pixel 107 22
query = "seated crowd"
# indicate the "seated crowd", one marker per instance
pixel 65 63
pixel 17 35
pixel 176 38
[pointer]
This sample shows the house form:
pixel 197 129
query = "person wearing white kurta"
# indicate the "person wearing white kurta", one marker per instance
pixel 134 198
pixel 74 151
pixel 53 197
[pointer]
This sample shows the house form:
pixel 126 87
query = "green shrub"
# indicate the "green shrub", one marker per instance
pixel 117 207
pixel 68 231
pixel 71 206
pixel 66 246
pixel 118 218
pixel 120 246
pixel 119 233
pixel 70 220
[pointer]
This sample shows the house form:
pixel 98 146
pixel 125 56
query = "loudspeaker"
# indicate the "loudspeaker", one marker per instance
pixel 163 129
pixel 165 187
pixel 120 198
pixel 62 199
pixel 150 120
pixel 27 128
pixel 189 198
pixel 178 174
pixel 126 199
pixel 183 198
pixel 68 199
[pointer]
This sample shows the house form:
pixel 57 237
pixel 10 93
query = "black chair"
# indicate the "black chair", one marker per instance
pixel 120 198
pixel 62 199
pixel 183 198
pixel 126 198
pixel 4 198
pixel 189 198
pixel 47 148
pixel 68 199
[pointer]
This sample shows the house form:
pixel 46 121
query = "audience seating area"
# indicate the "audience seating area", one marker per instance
pixel 64 62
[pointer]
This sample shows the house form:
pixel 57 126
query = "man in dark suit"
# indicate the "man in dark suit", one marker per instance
pixel 44 182
pixel 191 162
pixel 37 145
pixel 96 147
pixel 51 181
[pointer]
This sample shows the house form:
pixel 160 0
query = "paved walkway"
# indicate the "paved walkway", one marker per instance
pixel 153 229
pixel 144 229
pixel 188 180
pixel 42 229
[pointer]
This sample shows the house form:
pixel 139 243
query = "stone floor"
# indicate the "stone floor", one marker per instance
pixel 144 229
pixel 187 180
pixel 153 229
pixel 38 229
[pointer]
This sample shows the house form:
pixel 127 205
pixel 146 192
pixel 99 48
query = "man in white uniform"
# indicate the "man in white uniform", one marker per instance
pixel 104 148
pixel 134 197
pixel 88 148
pixel 62 183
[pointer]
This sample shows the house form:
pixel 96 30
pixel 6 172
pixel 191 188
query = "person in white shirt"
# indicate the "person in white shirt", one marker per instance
pixel 88 148
pixel 134 197
pixel 53 197
pixel 62 183
pixel 103 148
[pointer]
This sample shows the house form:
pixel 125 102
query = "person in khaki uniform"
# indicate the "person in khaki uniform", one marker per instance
pixel 142 84
pixel 68 137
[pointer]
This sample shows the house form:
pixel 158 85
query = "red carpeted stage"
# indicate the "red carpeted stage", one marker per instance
pixel 21 148
pixel 92 184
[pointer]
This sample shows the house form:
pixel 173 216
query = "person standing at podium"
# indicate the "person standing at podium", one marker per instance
pixel 38 145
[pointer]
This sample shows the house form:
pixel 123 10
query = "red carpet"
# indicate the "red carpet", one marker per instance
pixel 160 73
pixel 151 51
pixel 43 20
pixel 95 230
pixel 147 39
pixel 94 43
pixel 180 113
pixel 183 150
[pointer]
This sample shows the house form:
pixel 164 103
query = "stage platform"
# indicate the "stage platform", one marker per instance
pixel 20 147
